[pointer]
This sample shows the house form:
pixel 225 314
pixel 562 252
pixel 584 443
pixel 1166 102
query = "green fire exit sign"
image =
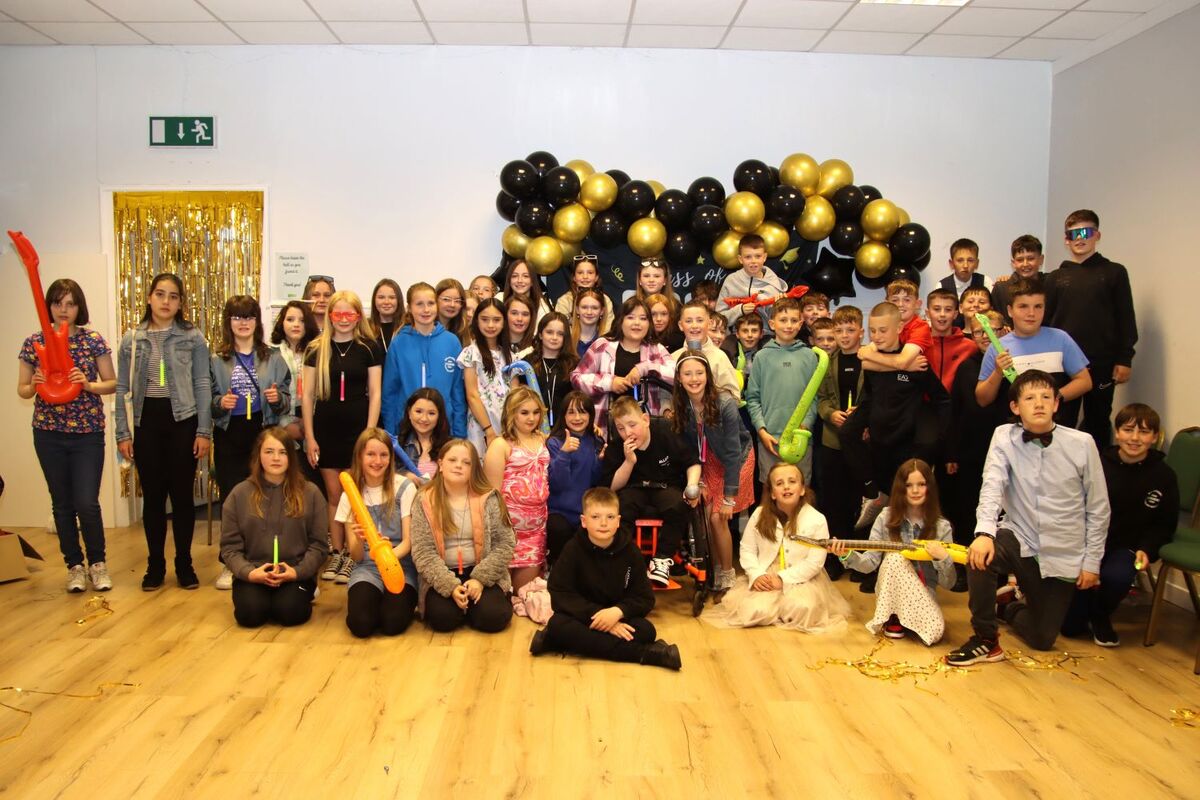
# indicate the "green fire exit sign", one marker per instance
pixel 183 132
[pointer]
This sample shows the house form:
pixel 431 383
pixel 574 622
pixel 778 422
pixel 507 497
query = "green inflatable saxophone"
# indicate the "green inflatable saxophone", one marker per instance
pixel 793 444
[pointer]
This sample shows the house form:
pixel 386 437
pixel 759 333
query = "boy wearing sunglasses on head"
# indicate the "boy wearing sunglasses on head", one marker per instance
pixel 1089 297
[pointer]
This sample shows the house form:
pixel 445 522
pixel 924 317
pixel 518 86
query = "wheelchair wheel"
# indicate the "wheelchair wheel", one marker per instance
pixel 699 597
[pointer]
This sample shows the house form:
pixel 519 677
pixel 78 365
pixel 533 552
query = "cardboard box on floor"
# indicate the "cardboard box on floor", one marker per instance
pixel 13 552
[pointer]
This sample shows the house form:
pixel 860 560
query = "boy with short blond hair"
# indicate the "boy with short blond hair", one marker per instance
pixel 841 388
pixel 976 300
pixel 754 278
pixel 950 346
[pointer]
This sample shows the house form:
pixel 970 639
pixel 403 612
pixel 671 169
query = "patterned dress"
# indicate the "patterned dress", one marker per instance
pixel 493 389
pixel 526 490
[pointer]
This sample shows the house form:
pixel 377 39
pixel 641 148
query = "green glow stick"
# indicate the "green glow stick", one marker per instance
pixel 276 561
pixel 1011 372
pixel 162 373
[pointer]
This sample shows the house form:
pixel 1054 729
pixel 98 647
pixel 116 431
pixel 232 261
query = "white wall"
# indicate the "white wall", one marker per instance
pixel 1124 144
pixel 384 161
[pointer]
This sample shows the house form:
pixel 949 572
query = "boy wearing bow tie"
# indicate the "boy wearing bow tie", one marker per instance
pixel 1049 481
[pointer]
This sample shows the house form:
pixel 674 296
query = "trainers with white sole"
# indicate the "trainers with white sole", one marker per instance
pixel 98 574
pixel 332 566
pixel 76 579
pixel 225 579
pixel 660 571
pixel 344 570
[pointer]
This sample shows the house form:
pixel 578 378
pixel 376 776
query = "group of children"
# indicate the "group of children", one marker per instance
pixel 506 446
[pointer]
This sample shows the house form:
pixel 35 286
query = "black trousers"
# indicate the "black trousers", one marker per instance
pixel 491 614
pixel 651 503
pixel 1038 617
pixel 232 449
pixel 369 610
pixel 162 453
pixel 568 635
pixel 256 604
pixel 559 531
pixel 1096 406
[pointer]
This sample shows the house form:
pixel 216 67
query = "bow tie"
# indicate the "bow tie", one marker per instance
pixel 1044 438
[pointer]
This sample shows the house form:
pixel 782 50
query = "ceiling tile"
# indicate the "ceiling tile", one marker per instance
pixel 1060 5
pixel 561 34
pixel 473 11
pixel 155 10
pixel 811 14
pixel 1085 25
pixel 684 12
pixel 867 42
pixel 951 46
pixel 284 32
pixel 1121 5
pixel 53 11
pixel 260 10
pixel 382 32
pixel 366 10
pixel 696 37
pixel 504 33
pixel 895 18
pixel 771 39
pixel 16 33
pixel 1043 49
pixel 89 32
pixel 186 32
pixel 614 11
pixel 997 21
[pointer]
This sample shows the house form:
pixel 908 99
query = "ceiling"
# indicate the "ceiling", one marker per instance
pixel 1039 30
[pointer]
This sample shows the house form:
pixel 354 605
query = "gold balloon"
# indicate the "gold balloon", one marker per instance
pixel 544 255
pixel 835 174
pixel 800 171
pixel 514 242
pixel 581 168
pixel 775 236
pixel 744 211
pixel 725 249
pixel 873 259
pixel 647 237
pixel 817 220
pixel 598 191
pixel 880 219
pixel 904 217
pixel 570 250
pixel 571 223
pixel 657 187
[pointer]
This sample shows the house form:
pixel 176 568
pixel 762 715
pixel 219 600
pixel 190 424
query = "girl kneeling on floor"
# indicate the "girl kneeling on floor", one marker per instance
pixel 905 593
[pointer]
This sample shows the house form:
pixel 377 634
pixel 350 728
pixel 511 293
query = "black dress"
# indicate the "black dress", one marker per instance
pixel 340 418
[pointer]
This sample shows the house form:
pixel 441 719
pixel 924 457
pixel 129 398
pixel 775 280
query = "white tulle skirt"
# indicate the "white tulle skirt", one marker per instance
pixel 811 607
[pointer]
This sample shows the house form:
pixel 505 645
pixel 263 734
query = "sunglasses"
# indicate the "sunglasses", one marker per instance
pixel 585 257
pixel 242 319
pixel 653 262
pixel 344 316
pixel 1076 234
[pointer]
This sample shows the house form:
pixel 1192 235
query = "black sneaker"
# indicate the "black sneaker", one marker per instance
pixel 867 584
pixel 537 645
pixel 1103 633
pixel 892 629
pixel 187 578
pixel 152 581
pixel 975 650
pixel 661 654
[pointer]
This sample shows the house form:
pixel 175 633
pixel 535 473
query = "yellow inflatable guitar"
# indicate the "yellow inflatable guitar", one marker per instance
pixel 913 551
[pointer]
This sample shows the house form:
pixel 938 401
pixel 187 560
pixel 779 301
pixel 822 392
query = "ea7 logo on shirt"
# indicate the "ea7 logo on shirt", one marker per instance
pixel 449 364
pixel 1153 498
pixel 900 376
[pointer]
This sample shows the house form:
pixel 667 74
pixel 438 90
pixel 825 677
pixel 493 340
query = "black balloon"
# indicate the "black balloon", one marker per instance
pixel 846 238
pixel 874 283
pixel 608 229
pixel 775 175
pixel 831 280
pixel 870 192
pixel 507 205
pixel 519 179
pixel 708 222
pixel 681 249
pixel 923 261
pixel 909 243
pixel 618 175
pixel 753 175
pixel 707 192
pixel 535 218
pixel 673 209
pixel 560 186
pixel 542 162
pixel 848 203
pixel 904 272
pixel 785 205
pixel 635 200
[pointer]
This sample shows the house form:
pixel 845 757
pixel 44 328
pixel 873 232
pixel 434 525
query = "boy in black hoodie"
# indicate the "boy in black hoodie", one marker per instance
pixel 1143 493
pixel 601 595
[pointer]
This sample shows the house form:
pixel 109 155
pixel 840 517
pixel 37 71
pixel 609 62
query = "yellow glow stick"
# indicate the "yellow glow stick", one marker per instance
pixel 247 405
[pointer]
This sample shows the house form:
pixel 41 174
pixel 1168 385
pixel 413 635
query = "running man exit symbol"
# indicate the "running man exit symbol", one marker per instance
pixel 183 132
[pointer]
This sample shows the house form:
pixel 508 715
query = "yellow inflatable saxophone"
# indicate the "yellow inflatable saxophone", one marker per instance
pixel 793 444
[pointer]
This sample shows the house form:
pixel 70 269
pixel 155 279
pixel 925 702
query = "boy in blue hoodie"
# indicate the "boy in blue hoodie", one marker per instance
pixel 423 354
pixel 782 370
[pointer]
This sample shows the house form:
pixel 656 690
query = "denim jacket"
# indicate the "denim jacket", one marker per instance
pixel 186 352
pixel 272 371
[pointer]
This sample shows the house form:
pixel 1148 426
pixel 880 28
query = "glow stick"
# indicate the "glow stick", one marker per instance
pixel 248 405
pixel 162 372
pixel 1011 372
pixel 275 559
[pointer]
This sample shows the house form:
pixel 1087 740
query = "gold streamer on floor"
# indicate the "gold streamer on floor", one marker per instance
pixel 1184 717
pixel 1063 662
pixel 892 671
pixel 95 608
pixel 100 690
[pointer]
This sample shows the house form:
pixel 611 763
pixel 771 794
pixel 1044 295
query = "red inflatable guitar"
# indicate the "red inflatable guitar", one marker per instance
pixel 796 292
pixel 53 357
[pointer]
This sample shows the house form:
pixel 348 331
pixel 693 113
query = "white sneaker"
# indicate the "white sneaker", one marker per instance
pixel 225 579
pixel 76 579
pixel 98 573
pixel 870 510
pixel 332 566
pixel 660 571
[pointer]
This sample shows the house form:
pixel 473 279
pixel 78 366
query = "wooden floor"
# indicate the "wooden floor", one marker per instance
pixel 222 712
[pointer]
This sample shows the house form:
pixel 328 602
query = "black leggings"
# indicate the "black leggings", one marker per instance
pixel 256 604
pixel 369 610
pixel 491 614
pixel 232 450
pixel 162 452
pixel 559 531
pixel 569 635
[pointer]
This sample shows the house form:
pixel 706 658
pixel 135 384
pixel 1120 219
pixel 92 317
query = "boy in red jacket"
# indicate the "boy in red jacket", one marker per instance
pixel 950 346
